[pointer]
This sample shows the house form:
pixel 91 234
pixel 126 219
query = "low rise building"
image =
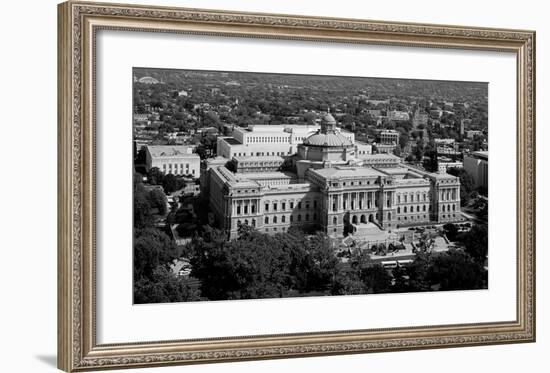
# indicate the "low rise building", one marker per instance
pixel 173 159
pixel 477 166
pixel 389 137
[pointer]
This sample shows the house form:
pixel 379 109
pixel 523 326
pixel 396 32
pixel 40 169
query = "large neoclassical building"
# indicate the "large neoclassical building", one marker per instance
pixel 274 177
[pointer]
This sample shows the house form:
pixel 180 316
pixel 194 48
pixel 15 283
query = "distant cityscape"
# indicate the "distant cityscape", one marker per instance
pixel 254 185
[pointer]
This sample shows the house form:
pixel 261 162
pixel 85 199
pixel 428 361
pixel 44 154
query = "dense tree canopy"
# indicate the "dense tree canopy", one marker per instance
pixel 456 270
pixel 467 185
pixel 163 286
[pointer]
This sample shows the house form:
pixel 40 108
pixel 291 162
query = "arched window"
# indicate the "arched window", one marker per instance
pixel 405 209
pixel 443 207
pixel 335 220
pixel 274 220
pixel 266 220
pixel 299 217
pixel 253 222
pixel 246 222
pixel 389 215
pixel 283 218
pixel 454 207
pixel 307 217
pixel 291 218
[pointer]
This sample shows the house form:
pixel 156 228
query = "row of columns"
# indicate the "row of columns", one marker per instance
pixel 449 194
pixel 361 200
pixel 247 206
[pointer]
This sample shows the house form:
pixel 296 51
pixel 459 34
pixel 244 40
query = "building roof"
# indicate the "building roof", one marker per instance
pixel 259 158
pixel 340 171
pixel 380 156
pixel 231 141
pixel 334 139
pixel 158 151
pixel 481 154
pixel 268 175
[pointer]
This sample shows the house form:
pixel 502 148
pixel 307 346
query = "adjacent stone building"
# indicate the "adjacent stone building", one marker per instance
pixel 173 159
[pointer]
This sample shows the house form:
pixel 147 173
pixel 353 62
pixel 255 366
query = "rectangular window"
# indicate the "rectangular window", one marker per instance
pixel 267 207
pixel 299 205
pixel 274 207
pixel 283 206
pixel 315 204
pixel 246 209
pixel 291 205
pixel 238 210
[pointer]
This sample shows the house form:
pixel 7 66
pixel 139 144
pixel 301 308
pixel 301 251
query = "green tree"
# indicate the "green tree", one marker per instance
pixel 257 265
pixel 401 278
pixel 456 270
pixel 157 199
pixel 152 248
pixel 155 176
pixel 467 185
pixel 162 287
pixel 430 163
pixel 418 271
pixel 170 184
pixel 376 278
pixel 476 243
pixel 143 214
pixel 451 231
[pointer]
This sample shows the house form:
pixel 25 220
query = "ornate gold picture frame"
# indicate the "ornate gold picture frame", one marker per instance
pixel 78 23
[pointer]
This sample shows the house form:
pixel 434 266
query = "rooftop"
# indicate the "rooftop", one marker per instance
pixel 340 171
pixel 260 158
pixel 232 141
pixel 269 175
pixel 383 156
pixel 334 139
pixel 481 154
pixel 171 151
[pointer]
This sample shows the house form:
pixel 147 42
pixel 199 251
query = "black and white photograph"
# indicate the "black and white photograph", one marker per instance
pixel 251 185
